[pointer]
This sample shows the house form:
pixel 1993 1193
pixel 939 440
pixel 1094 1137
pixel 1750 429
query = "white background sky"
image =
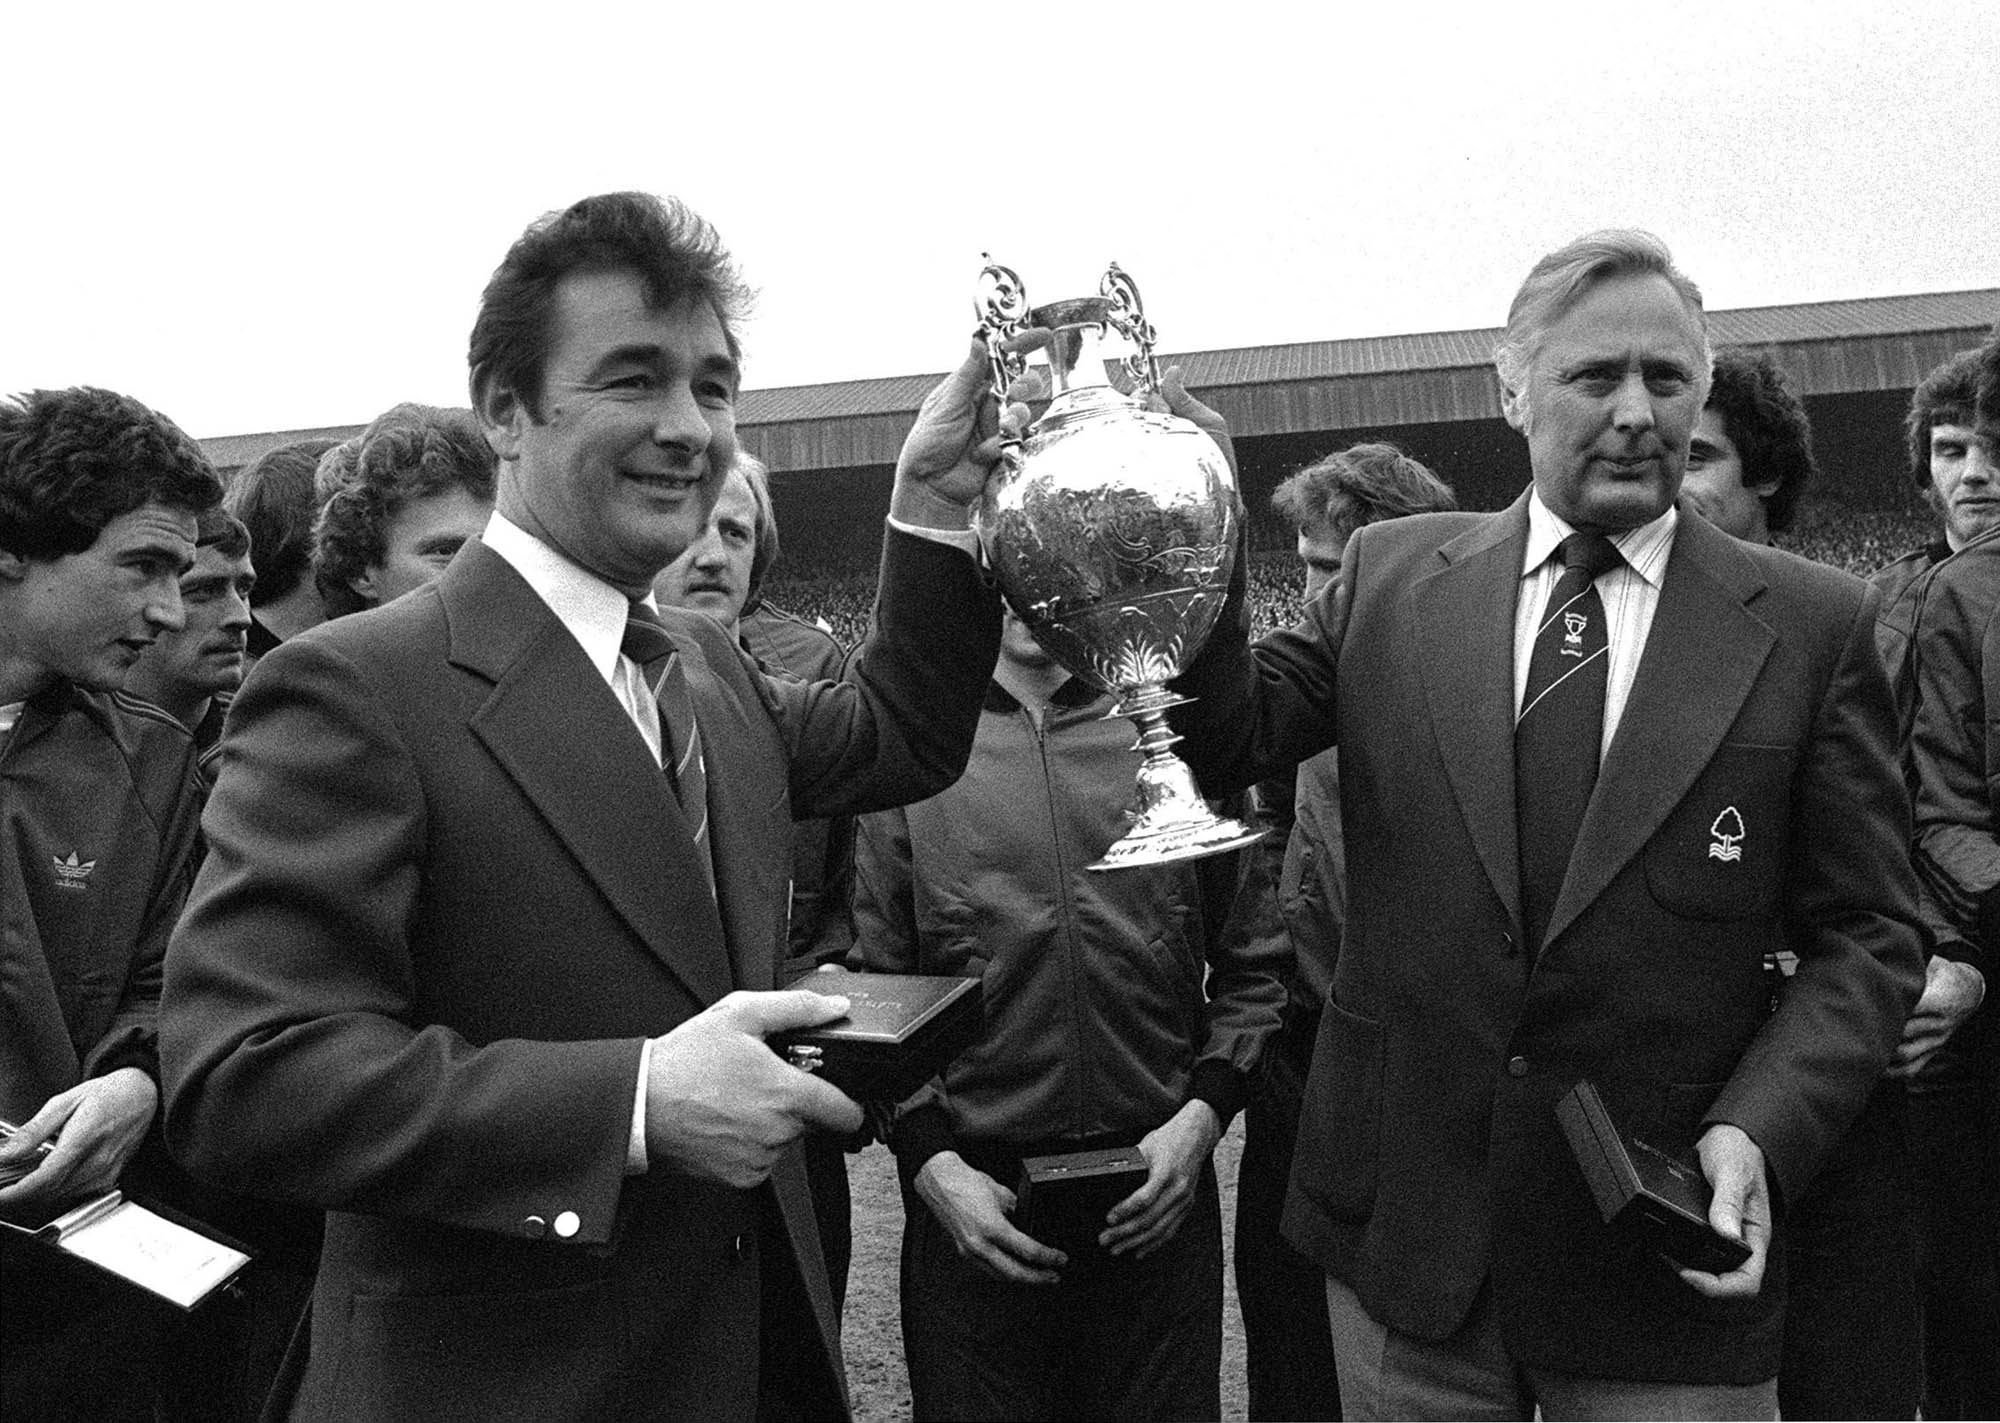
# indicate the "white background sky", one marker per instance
pixel 265 217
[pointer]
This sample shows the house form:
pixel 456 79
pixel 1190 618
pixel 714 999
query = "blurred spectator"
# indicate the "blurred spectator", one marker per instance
pixel 274 497
pixel 401 499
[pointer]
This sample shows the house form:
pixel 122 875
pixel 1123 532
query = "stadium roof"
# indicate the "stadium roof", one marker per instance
pixel 1829 347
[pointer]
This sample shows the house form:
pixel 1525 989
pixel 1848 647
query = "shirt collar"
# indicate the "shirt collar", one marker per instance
pixel 1644 549
pixel 592 610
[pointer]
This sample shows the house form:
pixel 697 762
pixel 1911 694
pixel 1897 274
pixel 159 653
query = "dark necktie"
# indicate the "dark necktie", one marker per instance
pixel 1561 726
pixel 647 644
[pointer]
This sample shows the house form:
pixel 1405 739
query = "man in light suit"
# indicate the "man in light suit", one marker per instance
pixel 477 965
pixel 1740 794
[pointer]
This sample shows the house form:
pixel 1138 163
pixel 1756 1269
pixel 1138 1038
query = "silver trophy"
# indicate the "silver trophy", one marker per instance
pixel 1111 530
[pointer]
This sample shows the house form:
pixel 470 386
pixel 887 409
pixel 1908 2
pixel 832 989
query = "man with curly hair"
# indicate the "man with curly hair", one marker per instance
pixel 1751 455
pixel 99 501
pixel 400 500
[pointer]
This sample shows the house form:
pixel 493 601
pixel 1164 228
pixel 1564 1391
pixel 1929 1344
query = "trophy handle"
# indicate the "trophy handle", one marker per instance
pixel 1001 304
pixel 1128 317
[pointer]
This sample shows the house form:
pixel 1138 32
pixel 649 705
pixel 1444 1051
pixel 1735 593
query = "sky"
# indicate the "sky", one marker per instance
pixel 262 217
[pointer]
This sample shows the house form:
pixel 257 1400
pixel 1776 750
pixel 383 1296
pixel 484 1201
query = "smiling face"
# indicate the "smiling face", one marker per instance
pixel 1965 481
pixel 88 616
pixel 1715 483
pixel 713 575
pixel 1610 403
pixel 638 430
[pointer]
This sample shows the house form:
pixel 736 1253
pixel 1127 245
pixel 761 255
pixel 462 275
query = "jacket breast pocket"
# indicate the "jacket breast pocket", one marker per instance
pixel 1721 853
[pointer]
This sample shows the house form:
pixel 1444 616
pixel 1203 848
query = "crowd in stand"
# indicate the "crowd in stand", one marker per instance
pixel 441 862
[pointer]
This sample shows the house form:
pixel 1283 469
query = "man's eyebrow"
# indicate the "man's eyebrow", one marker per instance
pixel 440 543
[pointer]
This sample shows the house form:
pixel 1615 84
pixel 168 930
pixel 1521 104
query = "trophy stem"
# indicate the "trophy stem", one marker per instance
pixel 1174 822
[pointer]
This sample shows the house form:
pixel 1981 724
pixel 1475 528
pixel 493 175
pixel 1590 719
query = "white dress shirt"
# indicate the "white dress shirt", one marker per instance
pixel 1630 592
pixel 595 614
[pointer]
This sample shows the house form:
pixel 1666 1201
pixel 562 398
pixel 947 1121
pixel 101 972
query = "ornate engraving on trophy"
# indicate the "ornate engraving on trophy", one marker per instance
pixel 1111 529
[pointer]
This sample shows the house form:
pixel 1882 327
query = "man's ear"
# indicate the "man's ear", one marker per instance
pixel 502 418
pixel 1514 405
pixel 13 566
pixel 367 585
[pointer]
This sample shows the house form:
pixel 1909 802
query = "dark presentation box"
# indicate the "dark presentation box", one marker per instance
pixel 1660 1197
pixel 1062 1200
pixel 899 1031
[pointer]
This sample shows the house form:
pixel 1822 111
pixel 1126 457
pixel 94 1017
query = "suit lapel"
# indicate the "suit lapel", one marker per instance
pixel 746 790
pixel 1702 658
pixel 1468 674
pixel 560 734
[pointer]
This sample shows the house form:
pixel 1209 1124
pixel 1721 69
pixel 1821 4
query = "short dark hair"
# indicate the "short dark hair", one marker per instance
pixel 273 496
pixel 408 453
pixel 1360 485
pixel 674 252
pixel 217 528
pixel 1766 420
pixel 73 460
pixel 1949 395
pixel 757 475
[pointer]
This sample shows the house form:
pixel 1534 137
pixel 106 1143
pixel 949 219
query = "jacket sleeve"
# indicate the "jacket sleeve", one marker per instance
pixel 1958 854
pixel 132 1039
pixel 294 1044
pixel 1851 914
pixel 1249 955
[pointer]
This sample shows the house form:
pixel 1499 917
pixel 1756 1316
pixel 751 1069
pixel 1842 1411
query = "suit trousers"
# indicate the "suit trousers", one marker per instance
pixel 1116 1338
pixel 1288 1354
pixel 1387 1374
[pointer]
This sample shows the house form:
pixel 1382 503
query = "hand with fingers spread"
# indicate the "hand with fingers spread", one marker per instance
pixel 721 1105
pixel 956 442
pixel 1175 1152
pixel 1740 1209
pixel 1173 398
pixel 93 1130
pixel 972 1207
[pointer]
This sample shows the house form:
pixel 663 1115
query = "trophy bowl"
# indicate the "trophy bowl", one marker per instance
pixel 1111 529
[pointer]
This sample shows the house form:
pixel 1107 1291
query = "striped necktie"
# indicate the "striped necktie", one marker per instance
pixel 1558 736
pixel 647 644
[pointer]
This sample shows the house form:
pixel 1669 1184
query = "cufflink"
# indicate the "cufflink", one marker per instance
pixel 568 1224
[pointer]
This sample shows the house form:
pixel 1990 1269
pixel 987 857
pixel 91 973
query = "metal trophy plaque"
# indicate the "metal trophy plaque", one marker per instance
pixel 1111 530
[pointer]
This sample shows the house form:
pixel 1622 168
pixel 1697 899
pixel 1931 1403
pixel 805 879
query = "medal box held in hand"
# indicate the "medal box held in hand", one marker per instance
pixel 1062 1200
pixel 1655 1195
pixel 899 1031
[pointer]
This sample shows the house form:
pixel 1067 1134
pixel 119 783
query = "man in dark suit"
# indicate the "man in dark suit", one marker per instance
pixel 478 964
pixel 1586 890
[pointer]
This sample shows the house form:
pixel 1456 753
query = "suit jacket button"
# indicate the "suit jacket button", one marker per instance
pixel 1517 1067
pixel 567 1224
pixel 739 1249
pixel 534 1227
